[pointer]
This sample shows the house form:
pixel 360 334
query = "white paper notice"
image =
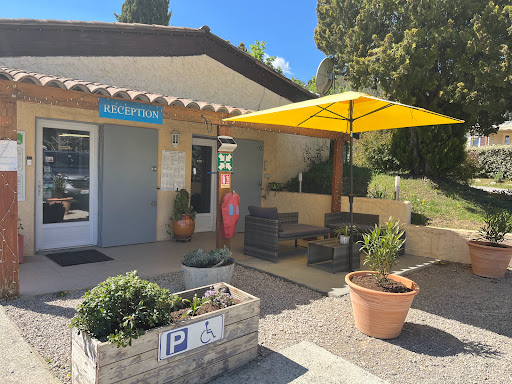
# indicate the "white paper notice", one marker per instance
pixel 8 155
pixel 173 170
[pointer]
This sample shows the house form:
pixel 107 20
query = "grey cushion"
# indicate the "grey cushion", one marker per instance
pixel 264 212
pixel 302 230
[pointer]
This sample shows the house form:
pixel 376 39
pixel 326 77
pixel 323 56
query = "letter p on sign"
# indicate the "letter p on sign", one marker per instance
pixel 177 341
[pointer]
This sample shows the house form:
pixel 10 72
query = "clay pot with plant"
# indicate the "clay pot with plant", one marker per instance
pixel 381 300
pixel 490 257
pixel 59 191
pixel 182 220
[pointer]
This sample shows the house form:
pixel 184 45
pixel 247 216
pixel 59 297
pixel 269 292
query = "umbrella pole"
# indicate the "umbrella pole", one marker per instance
pixel 351 194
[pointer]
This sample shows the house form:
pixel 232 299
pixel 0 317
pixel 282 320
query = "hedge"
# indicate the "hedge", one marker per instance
pixel 493 159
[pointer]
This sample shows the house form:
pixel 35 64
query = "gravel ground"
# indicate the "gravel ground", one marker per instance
pixel 458 331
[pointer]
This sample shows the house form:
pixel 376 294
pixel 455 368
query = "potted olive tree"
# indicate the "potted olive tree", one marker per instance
pixel 490 258
pixel 380 300
pixel 182 220
pixel 130 330
pixel 201 268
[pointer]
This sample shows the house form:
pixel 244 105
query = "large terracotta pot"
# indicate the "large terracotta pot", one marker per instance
pixel 183 229
pixel 489 261
pixel 380 314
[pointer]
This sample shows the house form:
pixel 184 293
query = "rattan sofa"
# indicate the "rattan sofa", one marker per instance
pixel 262 235
pixel 363 222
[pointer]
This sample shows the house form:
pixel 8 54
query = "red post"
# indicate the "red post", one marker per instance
pixel 9 265
pixel 337 175
pixel 222 130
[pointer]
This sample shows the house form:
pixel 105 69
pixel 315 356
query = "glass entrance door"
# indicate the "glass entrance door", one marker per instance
pixel 66 197
pixel 203 183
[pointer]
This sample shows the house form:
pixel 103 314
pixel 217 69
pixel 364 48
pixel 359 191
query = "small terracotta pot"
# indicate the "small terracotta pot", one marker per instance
pixel 184 228
pixel 380 314
pixel 489 261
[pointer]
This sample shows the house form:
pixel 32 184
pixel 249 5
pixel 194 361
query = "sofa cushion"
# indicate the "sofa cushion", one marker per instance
pixel 302 230
pixel 264 212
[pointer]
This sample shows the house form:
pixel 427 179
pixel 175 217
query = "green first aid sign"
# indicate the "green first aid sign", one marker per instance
pixel 225 162
pixel 20 138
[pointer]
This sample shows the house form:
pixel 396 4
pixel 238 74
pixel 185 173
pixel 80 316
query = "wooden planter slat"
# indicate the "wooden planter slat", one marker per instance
pixel 83 369
pixel 100 362
pixel 149 360
pixel 193 365
pixel 210 372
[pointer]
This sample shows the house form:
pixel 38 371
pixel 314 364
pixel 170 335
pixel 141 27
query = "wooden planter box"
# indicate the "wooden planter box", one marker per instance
pixel 93 361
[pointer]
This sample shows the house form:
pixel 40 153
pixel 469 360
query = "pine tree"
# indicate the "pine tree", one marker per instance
pixel 145 12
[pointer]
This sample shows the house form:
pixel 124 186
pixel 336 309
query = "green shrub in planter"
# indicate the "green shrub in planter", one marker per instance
pixel 200 259
pixel 122 308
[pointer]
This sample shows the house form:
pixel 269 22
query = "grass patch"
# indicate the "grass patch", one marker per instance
pixel 443 203
pixel 491 183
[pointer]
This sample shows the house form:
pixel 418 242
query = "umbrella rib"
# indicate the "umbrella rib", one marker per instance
pixel 313 115
pixel 335 118
pixel 377 110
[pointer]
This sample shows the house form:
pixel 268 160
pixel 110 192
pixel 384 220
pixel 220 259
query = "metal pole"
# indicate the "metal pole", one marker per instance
pixel 351 194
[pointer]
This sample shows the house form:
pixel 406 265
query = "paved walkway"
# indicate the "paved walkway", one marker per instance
pixel 40 275
pixel 303 363
pixel 20 364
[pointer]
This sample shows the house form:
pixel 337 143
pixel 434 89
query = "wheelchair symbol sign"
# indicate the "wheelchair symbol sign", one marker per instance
pixel 182 339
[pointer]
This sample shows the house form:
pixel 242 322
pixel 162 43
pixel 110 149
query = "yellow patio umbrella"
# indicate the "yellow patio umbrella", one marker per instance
pixel 348 112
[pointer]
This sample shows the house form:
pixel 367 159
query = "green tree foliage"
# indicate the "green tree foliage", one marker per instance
pixel 373 150
pixel 145 12
pixel 258 51
pixel 449 56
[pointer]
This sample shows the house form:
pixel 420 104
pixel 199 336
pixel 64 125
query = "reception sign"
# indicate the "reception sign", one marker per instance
pixel 129 110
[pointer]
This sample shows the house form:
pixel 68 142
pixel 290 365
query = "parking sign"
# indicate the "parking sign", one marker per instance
pixel 179 340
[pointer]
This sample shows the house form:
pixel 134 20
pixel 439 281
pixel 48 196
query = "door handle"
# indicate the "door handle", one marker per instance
pixel 153 203
pixel 39 187
pixel 260 183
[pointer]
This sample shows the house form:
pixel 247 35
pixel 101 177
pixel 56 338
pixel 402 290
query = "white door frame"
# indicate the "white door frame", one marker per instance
pixel 205 222
pixel 75 234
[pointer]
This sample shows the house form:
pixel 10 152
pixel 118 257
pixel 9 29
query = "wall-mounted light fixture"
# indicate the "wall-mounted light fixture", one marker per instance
pixel 175 139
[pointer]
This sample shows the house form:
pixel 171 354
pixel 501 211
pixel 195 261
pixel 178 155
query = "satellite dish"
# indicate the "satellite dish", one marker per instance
pixel 324 76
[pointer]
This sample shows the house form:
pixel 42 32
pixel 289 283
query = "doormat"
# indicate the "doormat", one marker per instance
pixel 66 259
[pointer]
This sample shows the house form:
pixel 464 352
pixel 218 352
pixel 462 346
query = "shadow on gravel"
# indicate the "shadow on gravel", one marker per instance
pixel 46 304
pixel 453 292
pixel 426 340
pixel 276 295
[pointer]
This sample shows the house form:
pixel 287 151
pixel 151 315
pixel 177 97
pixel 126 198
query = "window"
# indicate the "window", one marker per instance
pixel 507 140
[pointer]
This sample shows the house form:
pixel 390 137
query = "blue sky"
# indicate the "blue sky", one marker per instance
pixel 287 26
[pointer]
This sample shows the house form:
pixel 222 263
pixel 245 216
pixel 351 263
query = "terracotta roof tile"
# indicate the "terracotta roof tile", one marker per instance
pixel 113 91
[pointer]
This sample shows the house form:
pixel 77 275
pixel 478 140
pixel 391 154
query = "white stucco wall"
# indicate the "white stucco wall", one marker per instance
pixel 194 77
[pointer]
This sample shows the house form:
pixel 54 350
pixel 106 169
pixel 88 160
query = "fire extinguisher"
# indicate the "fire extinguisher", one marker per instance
pixel 230 214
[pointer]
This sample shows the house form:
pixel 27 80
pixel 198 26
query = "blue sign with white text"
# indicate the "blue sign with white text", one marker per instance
pixel 131 111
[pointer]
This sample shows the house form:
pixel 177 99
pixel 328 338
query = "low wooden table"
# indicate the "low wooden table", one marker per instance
pixel 331 256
